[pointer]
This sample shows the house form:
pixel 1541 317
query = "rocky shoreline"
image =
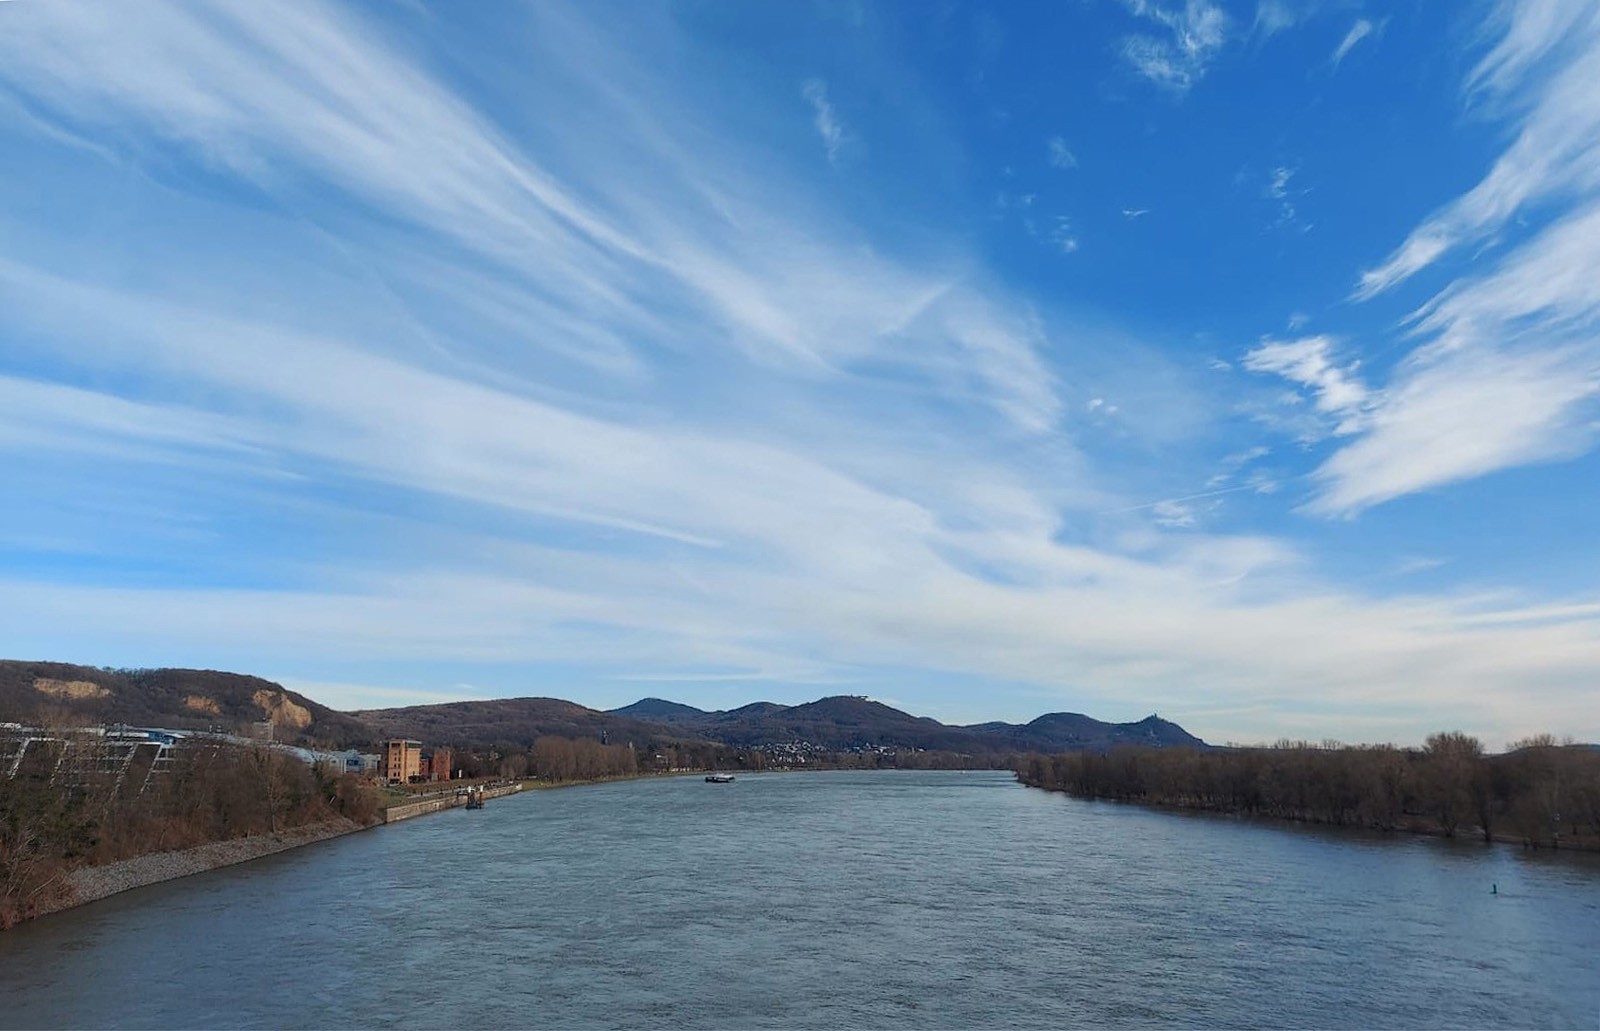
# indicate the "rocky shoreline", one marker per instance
pixel 92 883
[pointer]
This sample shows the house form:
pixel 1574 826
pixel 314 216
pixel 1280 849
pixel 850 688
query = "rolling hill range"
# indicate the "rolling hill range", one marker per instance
pixel 846 721
pixel 197 699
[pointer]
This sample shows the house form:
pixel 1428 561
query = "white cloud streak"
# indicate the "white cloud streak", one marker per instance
pixel 1457 416
pixel 311 92
pixel 1362 28
pixel 1337 390
pixel 1274 16
pixel 1548 62
pixel 1059 154
pixel 815 91
pixel 832 572
pixel 1179 57
pixel 863 532
pixel 1173 514
pixel 1508 368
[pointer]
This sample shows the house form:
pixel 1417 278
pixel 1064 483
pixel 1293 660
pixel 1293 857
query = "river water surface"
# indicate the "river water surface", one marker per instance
pixel 831 900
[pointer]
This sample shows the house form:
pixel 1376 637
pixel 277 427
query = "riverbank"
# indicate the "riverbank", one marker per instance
pixel 1411 827
pixel 443 800
pixel 92 883
pixel 1538 794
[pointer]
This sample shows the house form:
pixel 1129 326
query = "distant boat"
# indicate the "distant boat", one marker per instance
pixel 719 778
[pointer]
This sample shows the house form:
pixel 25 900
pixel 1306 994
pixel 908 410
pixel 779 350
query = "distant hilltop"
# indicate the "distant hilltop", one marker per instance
pixel 198 699
pixel 850 721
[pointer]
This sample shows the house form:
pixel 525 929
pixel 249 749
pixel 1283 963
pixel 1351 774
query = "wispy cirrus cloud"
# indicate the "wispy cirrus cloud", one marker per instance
pixel 1274 16
pixel 1278 190
pixel 1336 389
pixel 1360 30
pixel 1061 235
pixel 281 98
pixel 815 91
pixel 1510 375
pixel 1173 514
pixel 1546 66
pixel 1459 418
pixel 568 380
pixel 1059 154
pixel 1179 56
pixel 1507 369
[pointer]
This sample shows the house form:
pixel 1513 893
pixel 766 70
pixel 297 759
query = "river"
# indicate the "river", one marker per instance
pixel 824 900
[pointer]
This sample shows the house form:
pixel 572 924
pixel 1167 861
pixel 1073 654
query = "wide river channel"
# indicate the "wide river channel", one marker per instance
pixel 831 900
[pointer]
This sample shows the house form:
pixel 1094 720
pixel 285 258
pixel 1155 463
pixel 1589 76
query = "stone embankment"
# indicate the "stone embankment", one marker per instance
pixel 435 803
pixel 96 882
pixel 92 883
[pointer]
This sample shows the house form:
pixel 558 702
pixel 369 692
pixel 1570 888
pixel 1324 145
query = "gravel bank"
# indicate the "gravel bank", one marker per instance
pixel 96 882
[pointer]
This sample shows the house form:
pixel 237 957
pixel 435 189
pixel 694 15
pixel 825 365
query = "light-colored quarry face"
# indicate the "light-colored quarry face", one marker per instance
pixel 200 703
pixel 68 688
pixel 276 706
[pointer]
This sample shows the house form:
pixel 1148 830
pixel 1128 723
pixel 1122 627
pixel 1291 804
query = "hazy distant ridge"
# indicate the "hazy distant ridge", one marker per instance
pixel 846 721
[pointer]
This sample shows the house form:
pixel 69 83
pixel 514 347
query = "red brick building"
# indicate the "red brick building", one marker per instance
pixel 401 760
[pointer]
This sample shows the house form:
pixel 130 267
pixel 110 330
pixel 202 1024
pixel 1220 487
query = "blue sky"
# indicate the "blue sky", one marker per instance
pixel 1234 361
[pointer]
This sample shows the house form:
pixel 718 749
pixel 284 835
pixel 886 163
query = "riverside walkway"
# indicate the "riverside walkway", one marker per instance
pixel 438 801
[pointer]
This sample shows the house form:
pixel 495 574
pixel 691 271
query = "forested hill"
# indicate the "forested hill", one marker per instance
pixel 183 699
pixel 510 721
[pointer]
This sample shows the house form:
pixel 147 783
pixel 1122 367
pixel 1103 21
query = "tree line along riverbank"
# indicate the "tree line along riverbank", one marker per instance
pixel 73 833
pixel 1538 793
pixel 56 819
